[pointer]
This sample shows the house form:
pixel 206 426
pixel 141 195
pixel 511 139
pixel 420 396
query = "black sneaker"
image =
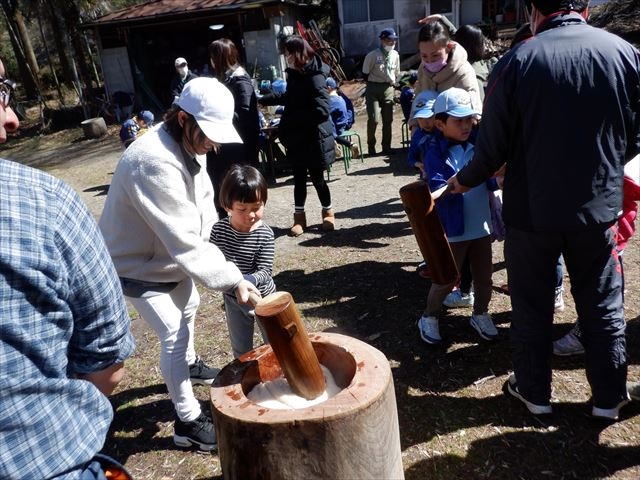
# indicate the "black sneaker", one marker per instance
pixel 511 388
pixel 201 374
pixel 200 432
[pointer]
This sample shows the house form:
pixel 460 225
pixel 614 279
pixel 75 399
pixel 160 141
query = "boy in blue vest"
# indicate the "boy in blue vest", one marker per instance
pixel 465 218
pixel 132 127
pixel 341 116
pixel 422 112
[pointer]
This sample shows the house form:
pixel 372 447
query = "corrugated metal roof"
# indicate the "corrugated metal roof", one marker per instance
pixel 168 8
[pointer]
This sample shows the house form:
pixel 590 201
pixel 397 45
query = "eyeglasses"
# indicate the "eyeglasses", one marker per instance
pixel 6 88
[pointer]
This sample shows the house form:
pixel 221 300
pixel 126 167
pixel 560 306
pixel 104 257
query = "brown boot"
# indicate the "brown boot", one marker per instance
pixel 328 220
pixel 299 224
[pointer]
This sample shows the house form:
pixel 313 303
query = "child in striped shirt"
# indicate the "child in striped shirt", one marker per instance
pixel 249 243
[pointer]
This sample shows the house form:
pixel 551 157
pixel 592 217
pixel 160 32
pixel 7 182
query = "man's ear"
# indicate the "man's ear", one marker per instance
pixel 439 124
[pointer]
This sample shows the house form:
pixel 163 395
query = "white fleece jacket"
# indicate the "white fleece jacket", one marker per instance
pixel 158 216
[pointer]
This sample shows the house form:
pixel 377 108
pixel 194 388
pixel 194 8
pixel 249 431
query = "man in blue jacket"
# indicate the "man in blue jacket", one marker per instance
pixel 562 112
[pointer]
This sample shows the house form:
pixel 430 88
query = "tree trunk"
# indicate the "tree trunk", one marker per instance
pixel 49 60
pixel 28 81
pixel 57 30
pixel 25 41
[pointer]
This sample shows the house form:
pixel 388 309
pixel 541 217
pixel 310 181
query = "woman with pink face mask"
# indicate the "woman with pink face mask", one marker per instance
pixel 444 63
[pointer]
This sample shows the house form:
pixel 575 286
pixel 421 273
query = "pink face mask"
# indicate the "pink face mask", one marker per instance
pixel 434 67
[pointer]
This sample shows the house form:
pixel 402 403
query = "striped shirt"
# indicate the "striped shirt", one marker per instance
pixel 252 252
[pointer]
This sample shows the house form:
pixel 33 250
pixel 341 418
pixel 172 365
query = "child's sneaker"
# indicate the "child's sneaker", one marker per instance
pixel 570 344
pixel 457 299
pixel 429 330
pixel 483 324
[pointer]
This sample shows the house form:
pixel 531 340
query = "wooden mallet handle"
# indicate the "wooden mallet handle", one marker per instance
pixel 290 343
pixel 434 246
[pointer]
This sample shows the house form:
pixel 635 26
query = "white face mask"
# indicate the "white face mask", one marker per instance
pixel 182 71
pixel 387 48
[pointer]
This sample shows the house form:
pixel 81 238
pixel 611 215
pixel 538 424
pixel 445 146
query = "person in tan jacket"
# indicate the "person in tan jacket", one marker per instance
pixel 445 63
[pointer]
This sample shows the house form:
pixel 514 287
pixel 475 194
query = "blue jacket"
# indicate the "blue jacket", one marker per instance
pixel 418 146
pixel 460 221
pixel 339 114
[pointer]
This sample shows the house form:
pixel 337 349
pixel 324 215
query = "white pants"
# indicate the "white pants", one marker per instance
pixel 171 315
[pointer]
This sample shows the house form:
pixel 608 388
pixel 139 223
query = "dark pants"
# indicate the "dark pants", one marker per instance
pixel 592 263
pixel 300 173
pixel 379 99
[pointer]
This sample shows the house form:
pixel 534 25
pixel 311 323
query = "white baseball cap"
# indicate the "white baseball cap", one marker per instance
pixel 212 105
pixel 180 61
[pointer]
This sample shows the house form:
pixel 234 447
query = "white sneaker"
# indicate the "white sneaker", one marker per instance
pixel 570 344
pixel 511 387
pixel 611 414
pixel 484 326
pixel 633 388
pixel 429 330
pixel 558 304
pixel 457 299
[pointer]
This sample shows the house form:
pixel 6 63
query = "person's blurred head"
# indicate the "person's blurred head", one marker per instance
pixel 223 55
pixel 8 120
pixel 388 39
pixel 543 8
pixel 434 45
pixel 331 84
pixel 297 51
pixel 202 117
pixel 181 67
pixel 522 34
pixel 473 41
pixel 146 118
pixel 422 109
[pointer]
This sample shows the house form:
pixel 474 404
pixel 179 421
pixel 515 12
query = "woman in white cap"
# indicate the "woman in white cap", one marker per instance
pixel 156 223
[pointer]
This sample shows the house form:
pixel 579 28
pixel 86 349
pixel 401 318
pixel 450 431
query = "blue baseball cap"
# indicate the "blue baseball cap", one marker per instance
pixel 422 106
pixel 388 33
pixel 331 83
pixel 147 117
pixel 455 102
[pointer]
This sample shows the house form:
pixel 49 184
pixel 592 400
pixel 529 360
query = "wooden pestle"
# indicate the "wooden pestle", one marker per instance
pixel 434 246
pixel 290 343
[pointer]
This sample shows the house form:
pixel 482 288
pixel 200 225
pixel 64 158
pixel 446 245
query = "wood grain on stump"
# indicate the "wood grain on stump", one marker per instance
pixel 353 434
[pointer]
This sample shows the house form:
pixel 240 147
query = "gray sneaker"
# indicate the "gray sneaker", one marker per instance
pixel 429 330
pixel 634 390
pixel 568 345
pixel 483 324
pixel 457 299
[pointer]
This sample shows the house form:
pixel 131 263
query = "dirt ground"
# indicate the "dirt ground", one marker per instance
pixel 360 281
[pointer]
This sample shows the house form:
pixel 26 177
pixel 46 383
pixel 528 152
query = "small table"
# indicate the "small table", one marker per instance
pixel 271 134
